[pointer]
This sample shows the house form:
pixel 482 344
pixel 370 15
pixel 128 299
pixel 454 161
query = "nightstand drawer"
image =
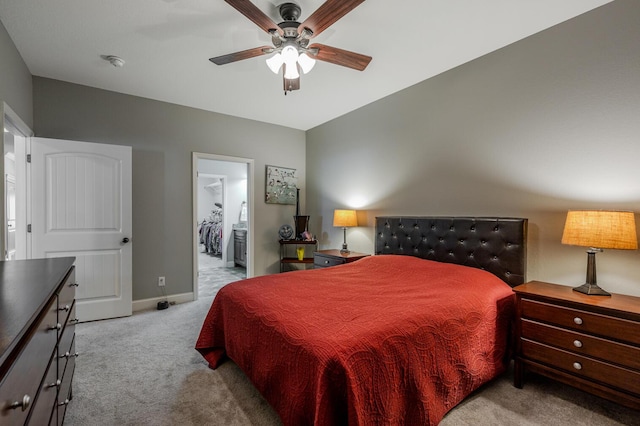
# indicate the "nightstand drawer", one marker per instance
pixel 595 347
pixel 621 378
pixel 320 261
pixel 327 258
pixel 575 319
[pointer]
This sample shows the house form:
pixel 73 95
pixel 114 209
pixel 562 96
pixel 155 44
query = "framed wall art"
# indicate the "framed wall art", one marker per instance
pixel 280 185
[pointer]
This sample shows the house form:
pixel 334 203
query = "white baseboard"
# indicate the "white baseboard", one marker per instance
pixel 145 304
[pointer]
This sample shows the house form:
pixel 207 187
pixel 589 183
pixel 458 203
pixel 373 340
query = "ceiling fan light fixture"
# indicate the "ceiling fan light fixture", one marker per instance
pixel 290 58
pixel 275 62
pixel 291 72
pixel 306 62
pixel 289 55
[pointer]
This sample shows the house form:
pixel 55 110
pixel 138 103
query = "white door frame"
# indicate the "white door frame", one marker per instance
pixel 194 209
pixel 12 121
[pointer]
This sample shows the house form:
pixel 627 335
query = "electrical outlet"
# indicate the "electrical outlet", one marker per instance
pixel 160 281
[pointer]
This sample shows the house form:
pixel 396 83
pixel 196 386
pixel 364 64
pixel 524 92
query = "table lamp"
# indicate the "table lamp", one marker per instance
pixel 598 230
pixel 345 219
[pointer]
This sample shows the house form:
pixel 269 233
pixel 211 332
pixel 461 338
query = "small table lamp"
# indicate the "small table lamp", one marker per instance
pixel 598 230
pixel 345 218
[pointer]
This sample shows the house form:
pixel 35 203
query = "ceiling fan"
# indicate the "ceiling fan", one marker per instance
pixel 291 38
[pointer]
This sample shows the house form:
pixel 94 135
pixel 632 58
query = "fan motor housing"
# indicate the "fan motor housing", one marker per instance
pixel 289 11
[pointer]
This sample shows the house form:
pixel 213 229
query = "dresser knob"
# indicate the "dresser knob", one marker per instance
pixel 577 366
pixel 326 262
pixel 577 343
pixel 578 320
pixel 58 326
pixel 24 404
pixel 55 384
pixel 65 402
pixel 65 308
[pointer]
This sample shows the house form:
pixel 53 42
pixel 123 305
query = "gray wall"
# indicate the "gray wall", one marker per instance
pixel 163 137
pixel 544 125
pixel 15 79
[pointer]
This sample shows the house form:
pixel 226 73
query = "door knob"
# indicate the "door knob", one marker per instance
pixel 125 240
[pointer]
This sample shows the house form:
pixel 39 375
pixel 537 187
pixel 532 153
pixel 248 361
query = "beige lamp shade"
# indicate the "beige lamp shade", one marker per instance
pixel 603 229
pixel 345 218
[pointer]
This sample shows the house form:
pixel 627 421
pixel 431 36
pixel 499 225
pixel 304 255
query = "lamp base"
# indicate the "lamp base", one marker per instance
pixel 591 290
pixel 345 250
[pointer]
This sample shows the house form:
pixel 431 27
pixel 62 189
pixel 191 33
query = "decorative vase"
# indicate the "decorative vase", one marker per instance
pixel 302 225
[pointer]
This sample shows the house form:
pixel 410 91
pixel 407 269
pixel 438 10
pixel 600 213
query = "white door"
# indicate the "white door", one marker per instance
pixel 81 206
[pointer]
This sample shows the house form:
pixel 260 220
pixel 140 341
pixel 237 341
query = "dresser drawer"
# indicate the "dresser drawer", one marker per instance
pixel 65 393
pixel 607 350
pixel 65 350
pixel 618 377
pixel 24 377
pixel 320 261
pixel 575 319
pixel 66 296
pixel 45 405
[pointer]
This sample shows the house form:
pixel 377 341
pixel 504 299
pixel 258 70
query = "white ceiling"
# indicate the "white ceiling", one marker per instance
pixel 166 45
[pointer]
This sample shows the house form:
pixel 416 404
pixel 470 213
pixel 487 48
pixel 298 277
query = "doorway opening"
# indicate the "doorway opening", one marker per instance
pixel 222 194
pixel 13 235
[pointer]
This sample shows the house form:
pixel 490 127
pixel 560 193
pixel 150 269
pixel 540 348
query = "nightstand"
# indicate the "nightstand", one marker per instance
pixel 326 258
pixel 589 342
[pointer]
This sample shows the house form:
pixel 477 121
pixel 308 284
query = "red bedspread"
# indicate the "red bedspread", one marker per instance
pixel 386 340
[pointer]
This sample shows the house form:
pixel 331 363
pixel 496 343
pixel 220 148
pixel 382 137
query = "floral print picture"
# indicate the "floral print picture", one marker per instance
pixel 280 185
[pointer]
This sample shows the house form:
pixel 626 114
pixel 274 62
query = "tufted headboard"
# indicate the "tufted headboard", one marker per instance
pixel 498 245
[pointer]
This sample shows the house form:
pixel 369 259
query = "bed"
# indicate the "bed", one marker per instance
pixel 397 338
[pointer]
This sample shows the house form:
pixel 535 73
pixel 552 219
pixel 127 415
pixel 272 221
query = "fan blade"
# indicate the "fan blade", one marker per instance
pixel 239 56
pixel 340 57
pixel 327 14
pixel 257 16
pixel 291 84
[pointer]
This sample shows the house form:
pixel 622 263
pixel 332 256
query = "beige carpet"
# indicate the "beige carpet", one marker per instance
pixel 143 370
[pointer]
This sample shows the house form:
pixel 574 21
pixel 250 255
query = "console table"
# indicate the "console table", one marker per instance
pixel 286 258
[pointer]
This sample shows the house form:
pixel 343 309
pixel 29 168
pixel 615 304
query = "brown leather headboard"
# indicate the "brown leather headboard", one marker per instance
pixel 498 245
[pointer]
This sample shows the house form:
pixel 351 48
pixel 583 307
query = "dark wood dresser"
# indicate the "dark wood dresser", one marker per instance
pixel 37 345
pixel 589 342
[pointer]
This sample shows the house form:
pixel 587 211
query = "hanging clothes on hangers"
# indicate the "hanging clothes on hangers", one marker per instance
pixel 211 231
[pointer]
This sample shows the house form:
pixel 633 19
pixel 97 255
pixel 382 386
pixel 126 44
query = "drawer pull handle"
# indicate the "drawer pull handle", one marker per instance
pixel 69 355
pixel 577 366
pixel 58 326
pixel 74 321
pixel 65 402
pixel 74 285
pixel 55 384
pixel 577 343
pixel 24 404
pixel 578 320
pixel 65 308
